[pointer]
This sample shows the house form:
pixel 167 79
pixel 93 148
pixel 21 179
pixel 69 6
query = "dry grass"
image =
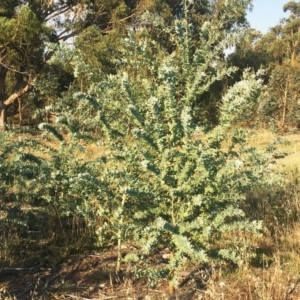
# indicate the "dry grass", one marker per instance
pixel 268 283
pixel 5 295
pixel 262 138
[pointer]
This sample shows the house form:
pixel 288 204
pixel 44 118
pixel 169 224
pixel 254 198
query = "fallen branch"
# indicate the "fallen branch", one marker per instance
pixel 17 269
pixel 83 298
pixel 294 287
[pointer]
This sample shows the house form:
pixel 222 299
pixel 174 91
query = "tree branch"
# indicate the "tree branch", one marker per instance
pixel 61 10
pixel 13 70
pixel 14 96
pixel 73 33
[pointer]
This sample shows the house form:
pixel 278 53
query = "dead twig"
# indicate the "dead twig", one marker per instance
pixel 83 298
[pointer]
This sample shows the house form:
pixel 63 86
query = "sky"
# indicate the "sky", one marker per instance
pixel 266 14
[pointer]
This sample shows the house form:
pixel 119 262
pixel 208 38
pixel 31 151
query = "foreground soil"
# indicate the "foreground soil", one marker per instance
pixel 92 276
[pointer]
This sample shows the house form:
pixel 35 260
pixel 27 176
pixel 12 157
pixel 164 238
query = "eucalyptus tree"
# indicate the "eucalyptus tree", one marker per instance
pixel 277 52
pixel 27 26
pixel 246 53
pixel 282 52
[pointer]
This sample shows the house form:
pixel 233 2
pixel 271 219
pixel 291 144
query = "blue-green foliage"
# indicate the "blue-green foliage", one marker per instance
pixel 172 183
pixel 164 180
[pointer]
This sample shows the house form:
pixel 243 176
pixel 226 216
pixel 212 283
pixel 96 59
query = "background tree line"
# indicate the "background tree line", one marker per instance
pixel 95 29
pixel 27 27
pixel 278 53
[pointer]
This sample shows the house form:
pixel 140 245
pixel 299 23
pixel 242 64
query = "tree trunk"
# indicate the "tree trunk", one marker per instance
pixel 3 107
pixel 14 96
pixel 284 104
pixel 3 116
pixel 19 90
pixel 20 111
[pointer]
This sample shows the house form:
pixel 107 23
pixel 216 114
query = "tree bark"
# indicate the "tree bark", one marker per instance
pixel 14 96
pixel 20 111
pixel 284 104
pixel 3 116
pixel 3 107
pixel 19 91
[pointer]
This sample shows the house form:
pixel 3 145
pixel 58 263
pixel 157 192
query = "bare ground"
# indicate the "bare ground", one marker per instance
pixel 91 276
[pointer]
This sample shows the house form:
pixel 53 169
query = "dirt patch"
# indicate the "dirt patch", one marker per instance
pixel 90 276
